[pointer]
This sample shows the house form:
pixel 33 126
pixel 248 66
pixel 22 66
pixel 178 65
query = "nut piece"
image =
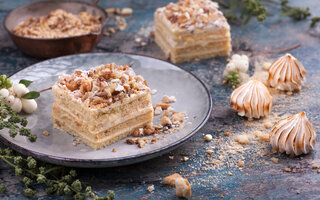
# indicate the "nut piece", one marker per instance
pixel 252 100
pixel 208 137
pixel 170 180
pixel 151 188
pixel 294 135
pixel 240 163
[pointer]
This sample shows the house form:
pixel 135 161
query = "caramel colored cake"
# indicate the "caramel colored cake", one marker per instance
pixel 102 105
pixel 192 29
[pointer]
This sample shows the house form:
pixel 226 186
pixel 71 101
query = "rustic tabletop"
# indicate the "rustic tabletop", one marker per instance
pixel 260 178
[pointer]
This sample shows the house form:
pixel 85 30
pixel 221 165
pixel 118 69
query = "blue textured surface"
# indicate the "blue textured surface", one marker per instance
pixel 258 181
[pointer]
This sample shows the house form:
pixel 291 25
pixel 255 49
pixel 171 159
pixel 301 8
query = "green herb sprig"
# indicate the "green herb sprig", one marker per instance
pixel 5 82
pixel 232 79
pixel 16 125
pixel 57 180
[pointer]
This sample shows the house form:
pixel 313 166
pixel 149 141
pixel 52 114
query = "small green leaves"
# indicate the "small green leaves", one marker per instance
pixel 25 82
pixel 31 95
pixel 233 79
pixel 314 21
pixel 5 82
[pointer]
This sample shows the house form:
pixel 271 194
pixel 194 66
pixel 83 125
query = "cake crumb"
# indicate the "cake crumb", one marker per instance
pixel 318 171
pixel 209 152
pixel 168 99
pixel 189 123
pixel 229 173
pixel 151 188
pixel 242 139
pixel 274 160
pixel 298 191
pixel 170 180
pixel 221 196
pixel 287 169
pixel 263 136
pixel 157 110
pixel 126 11
pixel 171 157
pixel 208 137
pixel 215 186
pixel 267 125
pixel 183 188
pixel 141 142
pixel 315 166
pixel 46 133
pixel 185 158
pixel 227 134
pixel 114 150
pixel 240 163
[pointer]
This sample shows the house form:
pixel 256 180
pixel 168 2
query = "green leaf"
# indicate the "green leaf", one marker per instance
pixel 25 82
pixel 31 95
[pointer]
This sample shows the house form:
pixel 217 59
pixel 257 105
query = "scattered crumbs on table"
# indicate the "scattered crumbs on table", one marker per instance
pixel 287 169
pixel 114 150
pixel 298 191
pixel 185 158
pixel 46 133
pixel 151 188
pixel 274 160
pixel 208 137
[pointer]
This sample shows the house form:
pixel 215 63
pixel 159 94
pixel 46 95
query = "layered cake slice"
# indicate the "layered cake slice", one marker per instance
pixel 192 29
pixel 102 105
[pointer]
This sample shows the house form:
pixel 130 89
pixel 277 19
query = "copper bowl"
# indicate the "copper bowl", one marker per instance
pixel 54 47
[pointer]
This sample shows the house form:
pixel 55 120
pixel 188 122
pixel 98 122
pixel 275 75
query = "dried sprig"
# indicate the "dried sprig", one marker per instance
pixel 232 79
pixel 58 180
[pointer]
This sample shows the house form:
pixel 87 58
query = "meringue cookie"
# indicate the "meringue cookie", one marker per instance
pixel 252 99
pixel 294 135
pixel 287 73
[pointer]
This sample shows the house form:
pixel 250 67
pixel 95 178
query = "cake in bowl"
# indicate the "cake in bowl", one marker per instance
pixel 192 29
pixel 102 105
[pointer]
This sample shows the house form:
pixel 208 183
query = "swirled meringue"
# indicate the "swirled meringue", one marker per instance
pixel 252 99
pixel 287 73
pixel 294 135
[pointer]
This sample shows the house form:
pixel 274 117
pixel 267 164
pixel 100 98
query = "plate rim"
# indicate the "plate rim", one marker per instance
pixel 140 156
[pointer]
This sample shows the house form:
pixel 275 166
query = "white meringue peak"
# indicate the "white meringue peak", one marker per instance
pixel 287 73
pixel 294 135
pixel 252 100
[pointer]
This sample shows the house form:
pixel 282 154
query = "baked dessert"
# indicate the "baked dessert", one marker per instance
pixel 252 100
pixel 102 105
pixel 192 29
pixel 287 73
pixel 59 24
pixel 293 135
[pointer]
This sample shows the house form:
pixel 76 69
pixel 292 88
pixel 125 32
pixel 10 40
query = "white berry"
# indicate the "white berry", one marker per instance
pixel 29 105
pixel 17 105
pixel 9 100
pixel 4 93
pixel 20 89
pixel 208 137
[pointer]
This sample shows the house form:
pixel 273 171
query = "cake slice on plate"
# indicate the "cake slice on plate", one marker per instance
pixel 102 105
pixel 192 29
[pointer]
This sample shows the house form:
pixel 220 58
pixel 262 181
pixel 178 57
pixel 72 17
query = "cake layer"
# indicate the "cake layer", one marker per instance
pixel 103 120
pixel 100 126
pixel 164 26
pixel 194 46
pixel 108 137
pixel 196 52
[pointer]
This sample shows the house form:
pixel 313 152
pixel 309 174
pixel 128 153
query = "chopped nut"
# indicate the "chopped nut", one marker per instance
pixel 315 166
pixel 141 143
pixel 227 134
pixel 114 150
pixel 46 133
pixel 152 91
pixel 240 163
pixel 167 99
pixel 298 191
pixel 157 111
pixel 229 173
pixel 165 120
pixel 287 169
pixel 274 160
pixel 148 130
pixel 130 141
pixel 242 139
pixel 110 10
pixel 126 11
pixel 138 132
pixel 151 188
pixel 163 105
pixel 185 158
pixel 208 137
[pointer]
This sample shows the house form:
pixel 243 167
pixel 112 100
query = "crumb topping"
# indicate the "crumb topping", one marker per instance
pixel 192 14
pixel 59 24
pixel 103 85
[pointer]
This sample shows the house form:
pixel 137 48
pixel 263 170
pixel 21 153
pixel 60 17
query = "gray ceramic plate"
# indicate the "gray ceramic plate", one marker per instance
pixel 191 94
